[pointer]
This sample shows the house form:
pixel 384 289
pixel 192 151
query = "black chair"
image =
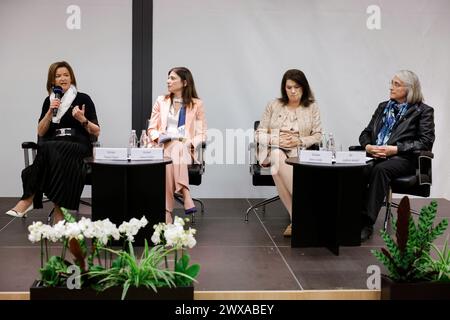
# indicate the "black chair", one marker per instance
pixel 29 152
pixel 195 170
pixel 417 184
pixel 261 176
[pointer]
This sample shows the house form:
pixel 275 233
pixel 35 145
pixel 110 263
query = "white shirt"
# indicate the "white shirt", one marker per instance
pixel 172 121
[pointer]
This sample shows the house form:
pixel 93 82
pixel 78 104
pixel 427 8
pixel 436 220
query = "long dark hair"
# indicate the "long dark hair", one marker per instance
pixel 189 91
pixel 299 78
pixel 52 74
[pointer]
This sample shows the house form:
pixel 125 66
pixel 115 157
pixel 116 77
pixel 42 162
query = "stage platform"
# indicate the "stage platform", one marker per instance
pixel 238 260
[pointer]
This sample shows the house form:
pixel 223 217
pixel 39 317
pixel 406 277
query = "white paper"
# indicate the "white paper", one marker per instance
pixel 146 153
pixel 315 156
pixel 351 157
pixel 110 153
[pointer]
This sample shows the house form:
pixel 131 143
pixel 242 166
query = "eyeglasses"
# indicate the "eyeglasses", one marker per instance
pixel 396 84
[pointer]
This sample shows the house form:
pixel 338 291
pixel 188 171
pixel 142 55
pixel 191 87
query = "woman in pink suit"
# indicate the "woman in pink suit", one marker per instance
pixel 178 122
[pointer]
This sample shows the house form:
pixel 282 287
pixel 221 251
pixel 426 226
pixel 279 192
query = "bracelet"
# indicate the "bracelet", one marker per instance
pixel 85 123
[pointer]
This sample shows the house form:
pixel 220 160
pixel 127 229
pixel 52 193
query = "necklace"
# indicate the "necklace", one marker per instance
pixel 177 100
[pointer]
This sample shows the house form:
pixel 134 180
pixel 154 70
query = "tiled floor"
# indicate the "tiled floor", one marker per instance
pixel 233 254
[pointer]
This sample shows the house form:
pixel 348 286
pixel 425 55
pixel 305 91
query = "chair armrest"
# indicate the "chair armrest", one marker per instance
pixel 424 166
pixel 200 150
pixel 423 153
pixel 29 145
pixel 252 153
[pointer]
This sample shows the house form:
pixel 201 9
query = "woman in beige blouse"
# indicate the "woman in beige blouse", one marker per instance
pixel 289 122
pixel 178 122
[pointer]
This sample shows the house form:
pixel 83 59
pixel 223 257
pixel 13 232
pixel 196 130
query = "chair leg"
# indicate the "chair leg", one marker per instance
pixel 389 204
pixel 260 204
pixel 395 205
pixel 178 198
pixel 86 203
pixel 50 215
pixel 202 206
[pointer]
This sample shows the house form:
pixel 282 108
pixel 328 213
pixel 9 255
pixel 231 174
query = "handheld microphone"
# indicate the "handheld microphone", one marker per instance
pixel 58 91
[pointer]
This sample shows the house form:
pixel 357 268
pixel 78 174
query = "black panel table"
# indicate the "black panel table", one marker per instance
pixel 326 204
pixel 123 189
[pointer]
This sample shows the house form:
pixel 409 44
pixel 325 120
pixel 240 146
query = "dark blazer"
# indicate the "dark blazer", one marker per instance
pixel 414 131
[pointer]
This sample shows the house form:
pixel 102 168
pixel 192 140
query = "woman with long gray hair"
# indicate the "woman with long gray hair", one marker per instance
pixel 399 126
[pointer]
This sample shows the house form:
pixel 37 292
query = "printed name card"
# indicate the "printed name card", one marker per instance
pixel 110 153
pixel 146 153
pixel 315 156
pixel 351 157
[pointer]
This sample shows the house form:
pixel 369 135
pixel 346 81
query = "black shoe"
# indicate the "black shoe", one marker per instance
pixel 366 233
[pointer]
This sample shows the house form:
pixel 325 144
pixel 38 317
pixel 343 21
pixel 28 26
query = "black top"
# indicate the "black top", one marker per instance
pixel 68 121
pixel 414 131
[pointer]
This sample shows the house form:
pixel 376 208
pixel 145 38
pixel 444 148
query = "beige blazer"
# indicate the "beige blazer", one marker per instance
pixel 195 126
pixel 309 124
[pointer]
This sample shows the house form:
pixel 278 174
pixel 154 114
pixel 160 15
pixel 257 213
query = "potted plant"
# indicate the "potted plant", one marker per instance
pixel 99 271
pixel 413 273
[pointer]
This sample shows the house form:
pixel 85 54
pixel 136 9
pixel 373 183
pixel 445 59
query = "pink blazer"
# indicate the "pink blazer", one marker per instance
pixel 195 126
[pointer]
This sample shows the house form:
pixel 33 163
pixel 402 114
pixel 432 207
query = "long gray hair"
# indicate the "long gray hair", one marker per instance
pixel 412 84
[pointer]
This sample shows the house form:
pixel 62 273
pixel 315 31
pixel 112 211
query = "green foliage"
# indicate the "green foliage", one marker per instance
pixel 439 269
pixel 414 262
pixel 182 267
pixel 54 272
pixel 129 271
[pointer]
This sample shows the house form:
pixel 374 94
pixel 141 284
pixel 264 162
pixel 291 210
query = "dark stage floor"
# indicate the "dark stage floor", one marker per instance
pixel 233 255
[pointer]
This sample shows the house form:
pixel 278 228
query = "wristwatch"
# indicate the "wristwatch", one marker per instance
pixel 85 123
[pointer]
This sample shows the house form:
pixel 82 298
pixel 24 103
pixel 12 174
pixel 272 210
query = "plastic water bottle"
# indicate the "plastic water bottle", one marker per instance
pixel 143 140
pixel 132 141
pixel 331 145
pixel 323 142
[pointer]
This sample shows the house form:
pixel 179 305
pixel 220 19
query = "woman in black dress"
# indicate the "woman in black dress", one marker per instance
pixel 67 123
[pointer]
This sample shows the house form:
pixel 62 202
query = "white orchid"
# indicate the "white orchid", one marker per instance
pixel 35 230
pixel 174 235
pixel 73 230
pixel 168 238
pixel 131 228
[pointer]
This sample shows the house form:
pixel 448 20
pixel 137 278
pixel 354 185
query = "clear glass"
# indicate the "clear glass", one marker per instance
pixel 323 142
pixel 331 145
pixel 132 141
pixel 299 149
pixel 143 140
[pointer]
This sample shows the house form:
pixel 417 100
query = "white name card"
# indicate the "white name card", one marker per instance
pixel 146 153
pixel 315 156
pixel 351 157
pixel 110 153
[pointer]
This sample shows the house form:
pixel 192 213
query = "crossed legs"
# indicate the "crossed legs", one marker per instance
pixel 282 176
pixel 177 177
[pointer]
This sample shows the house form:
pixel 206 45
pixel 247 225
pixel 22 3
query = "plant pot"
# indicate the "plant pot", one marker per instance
pixel 39 292
pixel 427 290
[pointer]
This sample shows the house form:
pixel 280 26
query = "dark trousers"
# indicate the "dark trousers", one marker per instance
pixel 380 174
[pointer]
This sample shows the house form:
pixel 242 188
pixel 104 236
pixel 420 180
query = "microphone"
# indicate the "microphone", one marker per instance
pixel 58 91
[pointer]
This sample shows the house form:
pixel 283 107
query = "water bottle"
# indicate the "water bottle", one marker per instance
pixel 323 142
pixel 331 145
pixel 143 140
pixel 132 141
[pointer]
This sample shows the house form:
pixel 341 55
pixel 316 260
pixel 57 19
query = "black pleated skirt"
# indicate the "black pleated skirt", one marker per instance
pixel 59 172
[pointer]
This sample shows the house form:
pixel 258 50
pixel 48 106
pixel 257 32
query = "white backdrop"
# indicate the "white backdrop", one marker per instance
pixel 238 51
